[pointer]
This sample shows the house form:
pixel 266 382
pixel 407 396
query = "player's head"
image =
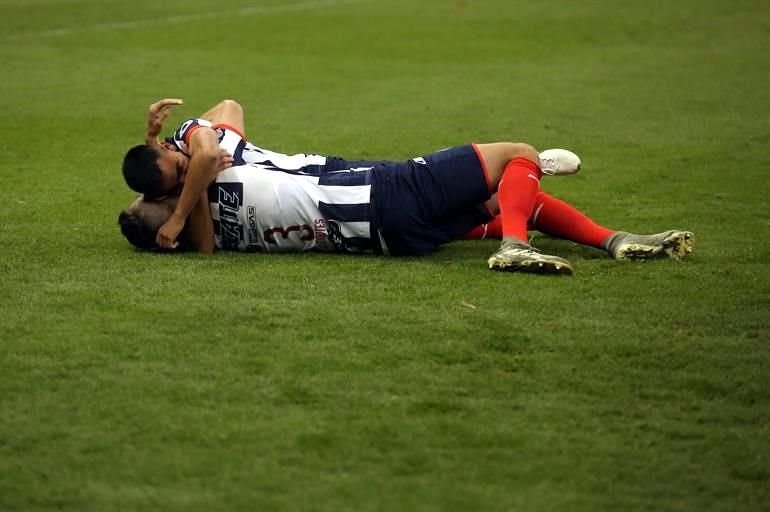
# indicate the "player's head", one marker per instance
pixel 142 220
pixel 154 171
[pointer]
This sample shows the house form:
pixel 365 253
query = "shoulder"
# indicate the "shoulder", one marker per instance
pixel 185 130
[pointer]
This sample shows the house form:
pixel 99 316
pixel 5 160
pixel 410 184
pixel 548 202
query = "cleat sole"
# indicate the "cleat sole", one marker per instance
pixel 679 244
pixel 531 267
pixel 676 246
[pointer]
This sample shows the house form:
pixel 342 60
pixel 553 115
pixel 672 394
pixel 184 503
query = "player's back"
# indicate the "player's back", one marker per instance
pixel 282 202
pixel 259 210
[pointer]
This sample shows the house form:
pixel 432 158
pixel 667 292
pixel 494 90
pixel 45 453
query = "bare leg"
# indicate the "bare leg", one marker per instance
pixel 498 155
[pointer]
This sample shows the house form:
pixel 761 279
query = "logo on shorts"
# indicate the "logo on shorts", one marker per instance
pixel 420 160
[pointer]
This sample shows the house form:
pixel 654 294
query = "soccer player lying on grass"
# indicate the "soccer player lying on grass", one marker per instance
pixel 302 202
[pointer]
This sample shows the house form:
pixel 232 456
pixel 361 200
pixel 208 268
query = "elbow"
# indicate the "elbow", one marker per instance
pixel 202 243
pixel 207 246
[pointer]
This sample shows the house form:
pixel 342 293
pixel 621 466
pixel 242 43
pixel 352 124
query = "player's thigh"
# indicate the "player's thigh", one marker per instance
pixel 420 239
pixel 497 155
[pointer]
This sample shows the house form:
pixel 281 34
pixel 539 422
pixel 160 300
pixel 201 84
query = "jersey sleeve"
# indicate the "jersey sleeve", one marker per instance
pixel 181 138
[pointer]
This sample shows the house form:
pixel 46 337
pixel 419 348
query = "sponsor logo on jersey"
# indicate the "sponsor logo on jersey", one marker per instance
pixel 252 219
pixel 320 231
pixel 230 199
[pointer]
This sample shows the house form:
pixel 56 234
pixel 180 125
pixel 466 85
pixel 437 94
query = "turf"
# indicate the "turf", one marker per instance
pixel 131 381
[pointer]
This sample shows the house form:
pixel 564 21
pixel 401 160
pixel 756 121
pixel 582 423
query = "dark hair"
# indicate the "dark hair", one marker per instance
pixel 141 171
pixel 136 231
pixel 141 234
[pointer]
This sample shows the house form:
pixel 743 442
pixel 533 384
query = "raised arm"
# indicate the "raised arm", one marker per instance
pixel 157 113
pixel 227 112
pixel 201 171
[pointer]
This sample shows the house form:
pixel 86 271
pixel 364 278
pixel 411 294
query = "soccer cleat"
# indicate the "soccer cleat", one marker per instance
pixel 669 244
pixel 516 256
pixel 559 162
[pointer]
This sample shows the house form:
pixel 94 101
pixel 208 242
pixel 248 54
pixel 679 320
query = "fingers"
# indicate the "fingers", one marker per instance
pixel 165 242
pixel 225 160
pixel 168 233
pixel 157 115
pixel 164 104
pixel 163 239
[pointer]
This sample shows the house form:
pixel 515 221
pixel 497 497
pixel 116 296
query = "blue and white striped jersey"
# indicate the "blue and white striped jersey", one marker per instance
pixel 270 201
pixel 255 209
pixel 232 141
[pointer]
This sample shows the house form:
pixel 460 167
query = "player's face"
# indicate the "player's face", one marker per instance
pixel 173 169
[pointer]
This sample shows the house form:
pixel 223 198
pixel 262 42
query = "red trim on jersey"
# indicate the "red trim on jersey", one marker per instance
pixel 190 132
pixel 231 128
pixel 483 163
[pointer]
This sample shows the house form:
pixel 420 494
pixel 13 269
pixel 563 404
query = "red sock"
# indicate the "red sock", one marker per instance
pixel 557 218
pixel 491 230
pixel 516 196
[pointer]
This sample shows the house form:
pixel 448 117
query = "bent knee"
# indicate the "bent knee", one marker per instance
pixel 521 150
pixel 230 106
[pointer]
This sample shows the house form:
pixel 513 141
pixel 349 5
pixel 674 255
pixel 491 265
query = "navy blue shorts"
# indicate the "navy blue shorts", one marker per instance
pixel 425 202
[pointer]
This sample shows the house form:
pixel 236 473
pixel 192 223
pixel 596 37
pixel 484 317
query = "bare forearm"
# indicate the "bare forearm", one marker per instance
pixel 200 173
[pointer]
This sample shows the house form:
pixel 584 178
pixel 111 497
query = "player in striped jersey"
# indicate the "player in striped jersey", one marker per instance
pixel 299 202
pixel 157 168
pixel 270 212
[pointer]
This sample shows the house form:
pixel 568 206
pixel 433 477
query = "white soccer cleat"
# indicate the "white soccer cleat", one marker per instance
pixel 669 244
pixel 559 162
pixel 516 256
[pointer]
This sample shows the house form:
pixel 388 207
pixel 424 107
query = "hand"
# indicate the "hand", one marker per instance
pixel 225 160
pixel 156 116
pixel 168 232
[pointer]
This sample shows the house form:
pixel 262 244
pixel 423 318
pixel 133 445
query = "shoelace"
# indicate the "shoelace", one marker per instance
pixel 548 165
pixel 518 249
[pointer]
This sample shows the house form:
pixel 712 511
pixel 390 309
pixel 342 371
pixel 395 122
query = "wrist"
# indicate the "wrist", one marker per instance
pixel 177 217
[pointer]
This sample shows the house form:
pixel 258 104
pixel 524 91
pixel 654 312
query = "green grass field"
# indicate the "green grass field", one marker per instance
pixel 132 381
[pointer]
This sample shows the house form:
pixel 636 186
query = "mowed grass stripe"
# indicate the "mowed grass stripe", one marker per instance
pixel 165 19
